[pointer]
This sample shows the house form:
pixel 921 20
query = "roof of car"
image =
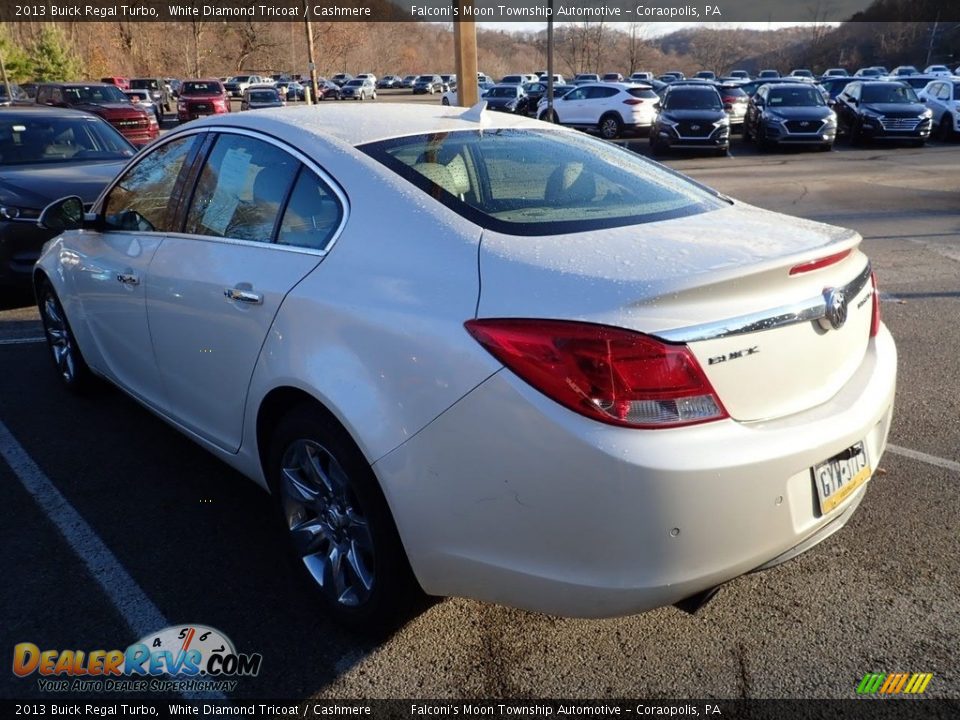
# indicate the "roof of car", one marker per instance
pixel 356 125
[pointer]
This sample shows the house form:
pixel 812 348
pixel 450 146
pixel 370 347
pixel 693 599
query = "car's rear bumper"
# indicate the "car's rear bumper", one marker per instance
pixel 510 498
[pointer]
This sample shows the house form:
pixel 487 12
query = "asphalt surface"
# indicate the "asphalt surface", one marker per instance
pixel 880 596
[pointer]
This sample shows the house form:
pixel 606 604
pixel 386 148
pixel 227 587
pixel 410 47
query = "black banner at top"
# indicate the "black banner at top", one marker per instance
pixel 528 11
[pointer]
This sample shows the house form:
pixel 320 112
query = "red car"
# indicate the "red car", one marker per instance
pixel 202 97
pixel 108 101
pixel 121 82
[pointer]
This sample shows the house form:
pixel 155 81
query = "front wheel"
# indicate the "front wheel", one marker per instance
pixel 945 128
pixel 64 351
pixel 340 529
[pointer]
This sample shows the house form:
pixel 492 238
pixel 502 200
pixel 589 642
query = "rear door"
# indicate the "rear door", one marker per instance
pixel 259 220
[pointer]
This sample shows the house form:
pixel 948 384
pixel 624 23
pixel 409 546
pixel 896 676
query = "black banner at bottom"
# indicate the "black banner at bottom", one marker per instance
pixel 872 708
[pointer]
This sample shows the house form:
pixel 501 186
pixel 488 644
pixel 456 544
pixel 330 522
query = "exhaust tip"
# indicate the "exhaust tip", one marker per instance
pixel 693 604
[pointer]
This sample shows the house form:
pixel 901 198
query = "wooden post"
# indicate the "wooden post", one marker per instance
pixel 465 50
pixel 311 59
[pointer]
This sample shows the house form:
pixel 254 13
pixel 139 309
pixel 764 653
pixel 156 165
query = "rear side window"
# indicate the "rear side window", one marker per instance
pixel 313 214
pixel 541 182
pixel 241 189
pixel 139 201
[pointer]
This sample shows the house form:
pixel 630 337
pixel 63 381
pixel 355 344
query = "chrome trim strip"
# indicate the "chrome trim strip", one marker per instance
pixel 804 311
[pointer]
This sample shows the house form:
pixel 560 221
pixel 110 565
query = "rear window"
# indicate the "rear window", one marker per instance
pixel 541 182
pixel 645 93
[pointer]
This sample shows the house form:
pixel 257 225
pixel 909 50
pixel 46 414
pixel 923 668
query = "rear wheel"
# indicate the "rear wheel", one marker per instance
pixel 340 529
pixel 550 116
pixel 610 126
pixel 445 101
pixel 64 351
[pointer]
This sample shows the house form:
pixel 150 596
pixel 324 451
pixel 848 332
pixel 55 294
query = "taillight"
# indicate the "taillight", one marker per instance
pixel 875 317
pixel 608 374
pixel 633 101
pixel 819 263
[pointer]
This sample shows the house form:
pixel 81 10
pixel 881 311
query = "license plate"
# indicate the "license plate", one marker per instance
pixel 838 477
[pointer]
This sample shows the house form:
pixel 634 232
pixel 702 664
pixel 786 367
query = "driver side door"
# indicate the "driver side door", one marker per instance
pixel 111 263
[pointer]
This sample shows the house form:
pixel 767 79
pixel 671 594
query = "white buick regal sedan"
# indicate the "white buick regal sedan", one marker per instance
pixel 475 354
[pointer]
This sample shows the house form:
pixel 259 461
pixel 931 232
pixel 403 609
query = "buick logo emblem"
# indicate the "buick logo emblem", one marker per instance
pixel 836 307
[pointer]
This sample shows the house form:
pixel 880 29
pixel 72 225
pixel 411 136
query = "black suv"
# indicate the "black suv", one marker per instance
pixel 882 110
pixel 789 114
pixel 691 117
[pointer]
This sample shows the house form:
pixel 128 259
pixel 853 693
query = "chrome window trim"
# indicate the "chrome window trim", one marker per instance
pixel 783 316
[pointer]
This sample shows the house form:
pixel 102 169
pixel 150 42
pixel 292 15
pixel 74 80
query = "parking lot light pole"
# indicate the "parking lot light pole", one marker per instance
pixel 465 49
pixel 311 59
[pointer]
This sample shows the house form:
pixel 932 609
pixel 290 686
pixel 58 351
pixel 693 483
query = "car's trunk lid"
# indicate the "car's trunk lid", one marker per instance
pixel 719 281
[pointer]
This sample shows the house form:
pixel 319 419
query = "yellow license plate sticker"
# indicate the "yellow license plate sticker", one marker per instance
pixel 838 477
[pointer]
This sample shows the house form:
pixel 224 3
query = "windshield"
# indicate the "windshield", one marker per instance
pixel 200 88
pixel 897 94
pixel 144 84
pixel 795 97
pixel 541 182
pixel 264 96
pixel 692 100
pixel 425 78
pixel 94 94
pixel 25 139
pixel 503 92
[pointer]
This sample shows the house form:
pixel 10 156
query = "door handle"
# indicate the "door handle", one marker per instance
pixel 244 296
pixel 128 278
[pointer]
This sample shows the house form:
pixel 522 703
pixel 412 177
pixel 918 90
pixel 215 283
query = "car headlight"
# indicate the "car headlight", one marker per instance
pixel 773 117
pixel 870 114
pixel 14 212
pixel 667 120
pixel 722 122
pixel 926 114
pixel 831 120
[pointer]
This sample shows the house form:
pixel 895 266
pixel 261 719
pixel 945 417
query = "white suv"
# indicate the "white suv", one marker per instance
pixel 943 99
pixel 609 108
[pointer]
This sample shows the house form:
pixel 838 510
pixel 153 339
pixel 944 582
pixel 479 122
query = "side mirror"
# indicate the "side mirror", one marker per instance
pixel 63 214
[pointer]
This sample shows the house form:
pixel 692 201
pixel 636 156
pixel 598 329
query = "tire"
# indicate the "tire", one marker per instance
pixel 945 130
pixel 362 97
pixel 610 127
pixel 550 116
pixel 64 351
pixel 445 101
pixel 341 533
pixel 722 152
pixel 656 149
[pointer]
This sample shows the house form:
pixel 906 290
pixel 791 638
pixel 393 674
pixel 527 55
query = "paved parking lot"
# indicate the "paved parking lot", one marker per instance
pixel 198 541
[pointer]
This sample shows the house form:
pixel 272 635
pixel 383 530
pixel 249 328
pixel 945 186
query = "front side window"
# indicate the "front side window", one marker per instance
pixel 140 200
pixel 241 189
pixel 541 182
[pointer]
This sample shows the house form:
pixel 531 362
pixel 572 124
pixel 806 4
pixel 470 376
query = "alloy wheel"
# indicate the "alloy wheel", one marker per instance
pixel 59 338
pixel 328 527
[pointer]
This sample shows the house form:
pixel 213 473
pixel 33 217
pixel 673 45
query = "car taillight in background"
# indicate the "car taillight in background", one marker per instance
pixel 633 101
pixel 616 376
